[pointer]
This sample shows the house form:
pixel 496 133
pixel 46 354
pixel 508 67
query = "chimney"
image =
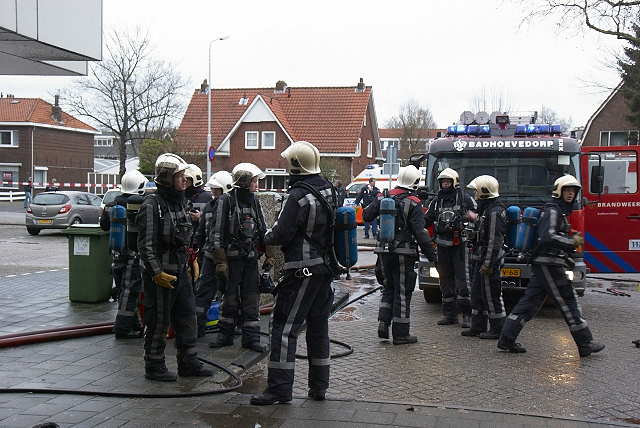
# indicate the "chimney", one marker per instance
pixel 56 111
pixel 281 86
pixel 360 87
pixel 204 87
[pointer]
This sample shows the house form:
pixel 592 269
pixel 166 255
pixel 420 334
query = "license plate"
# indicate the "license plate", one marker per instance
pixel 510 272
pixel 44 221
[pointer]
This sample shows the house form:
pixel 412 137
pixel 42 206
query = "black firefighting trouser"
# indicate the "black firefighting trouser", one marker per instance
pixel 206 291
pixel 131 282
pixel 486 300
pixel 241 293
pixel 552 281
pixel 300 299
pixel 175 307
pixel 399 281
pixel 453 270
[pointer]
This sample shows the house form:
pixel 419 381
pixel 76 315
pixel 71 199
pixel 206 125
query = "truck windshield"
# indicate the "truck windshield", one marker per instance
pixel 526 178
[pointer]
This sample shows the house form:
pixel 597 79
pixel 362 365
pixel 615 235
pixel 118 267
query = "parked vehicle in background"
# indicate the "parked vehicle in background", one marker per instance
pixel 59 210
pixel 110 196
pixel 612 218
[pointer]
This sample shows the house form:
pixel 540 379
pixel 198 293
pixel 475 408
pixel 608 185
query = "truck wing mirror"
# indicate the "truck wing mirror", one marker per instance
pixel 596 185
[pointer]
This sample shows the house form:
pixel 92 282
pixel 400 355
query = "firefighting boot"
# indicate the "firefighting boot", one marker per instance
pixel 507 344
pixel 590 348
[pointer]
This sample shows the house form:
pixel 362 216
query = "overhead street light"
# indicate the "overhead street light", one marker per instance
pixel 209 115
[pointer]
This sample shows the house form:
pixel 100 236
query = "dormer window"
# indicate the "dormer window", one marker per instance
pixel 244 100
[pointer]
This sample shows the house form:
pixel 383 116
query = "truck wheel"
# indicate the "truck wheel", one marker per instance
pixel 33 231
pixel 432 295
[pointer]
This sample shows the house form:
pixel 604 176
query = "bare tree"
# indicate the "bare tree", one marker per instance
pixel 495 99
pixel 415 122
pixel 609 17
pixel 549 116
pixel 129 92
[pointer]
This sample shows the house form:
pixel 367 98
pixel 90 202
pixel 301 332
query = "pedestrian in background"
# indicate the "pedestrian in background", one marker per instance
pixel 398 259
pixel 366 195
pixel 163 237
pixel 556 243
pixel 341 193
pixel 53 187
pixel 304 293
pixel 488 256
pixel 448 213
pixel 27 193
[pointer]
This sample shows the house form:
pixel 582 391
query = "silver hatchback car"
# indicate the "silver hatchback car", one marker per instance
pixel 59 210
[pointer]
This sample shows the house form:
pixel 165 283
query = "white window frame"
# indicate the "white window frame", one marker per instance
pixel 246 140
pixel 369 148
pixel 628 132
pixel 13 138
pixel 263 140
pixel 359 147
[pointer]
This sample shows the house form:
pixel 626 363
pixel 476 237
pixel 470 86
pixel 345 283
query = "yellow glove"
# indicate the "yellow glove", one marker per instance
pixel 222 268
pixel 485 271
pixel 164 280
pixel 195 270
pixel 577 240
pixel 269 257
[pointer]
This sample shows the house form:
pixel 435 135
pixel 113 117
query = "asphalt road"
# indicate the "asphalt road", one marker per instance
pixel 445 368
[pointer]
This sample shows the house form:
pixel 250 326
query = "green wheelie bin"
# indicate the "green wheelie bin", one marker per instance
pixel 90 277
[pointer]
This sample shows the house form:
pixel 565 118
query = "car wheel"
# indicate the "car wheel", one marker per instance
pixel 76 221
pixel 432 295
pixel 33 230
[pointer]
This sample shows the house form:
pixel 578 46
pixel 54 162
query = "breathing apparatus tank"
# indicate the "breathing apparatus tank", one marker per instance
pixel 514 218
pixel 118 228
pixel 527 230
pixel 133 205
pixel 387 232
pixel 346 237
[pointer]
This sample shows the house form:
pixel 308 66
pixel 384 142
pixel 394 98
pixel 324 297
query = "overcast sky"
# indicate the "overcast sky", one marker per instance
pixel 439 52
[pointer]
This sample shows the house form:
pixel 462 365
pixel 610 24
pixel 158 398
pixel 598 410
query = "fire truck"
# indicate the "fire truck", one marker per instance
pixel 612 218
pixel 526 158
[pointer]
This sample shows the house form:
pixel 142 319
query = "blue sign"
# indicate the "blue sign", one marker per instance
pixel 212 153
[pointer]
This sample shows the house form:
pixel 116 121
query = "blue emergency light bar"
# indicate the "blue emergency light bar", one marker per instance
pixel 521 129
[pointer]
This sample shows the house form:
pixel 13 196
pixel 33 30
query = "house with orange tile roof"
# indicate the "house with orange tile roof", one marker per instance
pixel 256 124
pixel 39 140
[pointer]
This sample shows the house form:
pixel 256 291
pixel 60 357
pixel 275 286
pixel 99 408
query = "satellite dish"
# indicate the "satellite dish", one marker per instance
pixel 467 118
pixel 493 116
pixel 482 118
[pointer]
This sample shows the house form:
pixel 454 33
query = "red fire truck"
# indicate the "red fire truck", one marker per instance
pixel 526 158
pixel 612 219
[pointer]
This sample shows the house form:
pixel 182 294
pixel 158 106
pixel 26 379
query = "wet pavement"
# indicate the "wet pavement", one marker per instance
pixel 444 380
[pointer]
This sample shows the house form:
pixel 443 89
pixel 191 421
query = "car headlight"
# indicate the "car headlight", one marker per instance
pixel 433 272
pixel 570 275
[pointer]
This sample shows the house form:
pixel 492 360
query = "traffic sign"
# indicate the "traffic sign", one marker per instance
pixel 212 153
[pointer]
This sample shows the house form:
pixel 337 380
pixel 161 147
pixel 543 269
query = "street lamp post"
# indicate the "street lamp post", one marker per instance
pixel 209 115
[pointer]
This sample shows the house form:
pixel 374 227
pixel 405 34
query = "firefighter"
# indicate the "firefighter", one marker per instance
pixel 556 243
pixel 304 293
pixel 126 264
pixel 195 193
pixel 487 257
pixel 398 260
pixel 237 234
pixel 164 235
pixel 208 283
pixel 447 213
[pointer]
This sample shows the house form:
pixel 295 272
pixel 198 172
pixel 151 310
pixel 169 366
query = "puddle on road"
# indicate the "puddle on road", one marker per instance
pixel 361 286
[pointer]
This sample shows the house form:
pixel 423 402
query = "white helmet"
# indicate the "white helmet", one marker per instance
pixel 243 174
pixel 409 177
pixel 472 184
pixel 303 158
pixel 167 165
pixel 195 174
pixel 565 181
pixel 487 187
pixel 451 175
pixel 133 182
pixel 221 180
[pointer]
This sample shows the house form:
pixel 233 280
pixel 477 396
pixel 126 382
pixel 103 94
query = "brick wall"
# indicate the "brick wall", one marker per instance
pixel 611 118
